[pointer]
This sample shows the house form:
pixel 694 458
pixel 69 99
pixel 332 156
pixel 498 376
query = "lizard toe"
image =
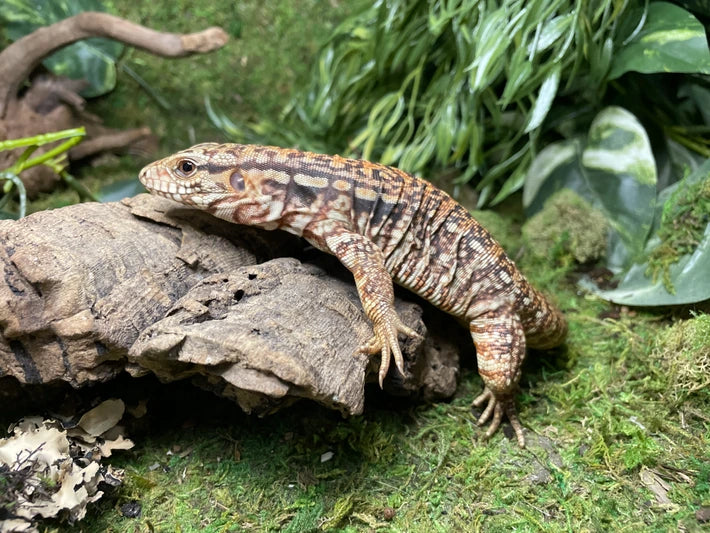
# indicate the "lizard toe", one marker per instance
pixel 497 407
pixel 490 407
pixel 512 414
pixel 384 364
pixel 495 422
pixel 385 340
pixel 371 347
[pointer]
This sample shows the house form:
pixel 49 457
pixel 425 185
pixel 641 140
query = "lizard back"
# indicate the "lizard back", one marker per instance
pixel 432 245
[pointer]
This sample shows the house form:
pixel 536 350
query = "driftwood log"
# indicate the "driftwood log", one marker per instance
pixel 52 104
pixel 145 285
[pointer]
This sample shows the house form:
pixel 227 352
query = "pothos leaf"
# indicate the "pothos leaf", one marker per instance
pixel 92 60
pixel 613 169
pixel 689 276
pixel 671 40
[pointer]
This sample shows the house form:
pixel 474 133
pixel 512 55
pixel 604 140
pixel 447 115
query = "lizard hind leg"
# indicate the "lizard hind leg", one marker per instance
pixel 500 350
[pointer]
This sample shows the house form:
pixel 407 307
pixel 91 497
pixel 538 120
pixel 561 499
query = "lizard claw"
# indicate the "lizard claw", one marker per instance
pixel 385 341
pixel 496 407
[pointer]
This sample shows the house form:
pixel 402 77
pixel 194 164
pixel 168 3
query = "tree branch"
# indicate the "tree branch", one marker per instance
pixel 19 59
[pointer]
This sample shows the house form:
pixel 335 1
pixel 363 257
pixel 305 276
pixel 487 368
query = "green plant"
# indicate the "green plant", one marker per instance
pixel 475 85
pixel 55 158
pixel 659 242
pixel 684 220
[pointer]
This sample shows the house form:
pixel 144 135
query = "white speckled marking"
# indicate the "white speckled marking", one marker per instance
pixel 279 177
pixel 366 194
pixel 341 185
pixel 310 181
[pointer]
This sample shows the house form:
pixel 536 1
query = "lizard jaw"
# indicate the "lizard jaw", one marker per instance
pixel 155 181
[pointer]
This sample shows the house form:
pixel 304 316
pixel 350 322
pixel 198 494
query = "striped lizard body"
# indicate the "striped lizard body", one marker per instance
pixel 384 225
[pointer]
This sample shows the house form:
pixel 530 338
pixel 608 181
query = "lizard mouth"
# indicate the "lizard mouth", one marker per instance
pixel 192 193
pixel 166 188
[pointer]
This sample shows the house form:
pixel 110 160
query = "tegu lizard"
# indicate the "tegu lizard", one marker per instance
pixel 384 225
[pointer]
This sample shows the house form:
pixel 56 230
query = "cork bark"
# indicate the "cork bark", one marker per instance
pixel 148 286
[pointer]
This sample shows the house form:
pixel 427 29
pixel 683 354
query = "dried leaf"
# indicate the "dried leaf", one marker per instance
pixel 43 445
pixel 81 438
pixel 121 443
pixel 17 525
pixel 653 481
pixel 27 424
pixel 102 417
pixel 56 481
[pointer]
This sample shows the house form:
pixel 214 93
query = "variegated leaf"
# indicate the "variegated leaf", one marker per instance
pixel 689 276
pixel 671 40
pixel 613 169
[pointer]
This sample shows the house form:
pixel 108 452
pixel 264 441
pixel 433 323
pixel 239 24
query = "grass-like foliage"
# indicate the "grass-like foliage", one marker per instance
pixel 478 87
pixel 471 85
pixel 458 83
pixel 54 158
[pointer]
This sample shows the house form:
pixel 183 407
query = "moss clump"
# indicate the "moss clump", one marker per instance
pixel 686 214
pixel 567 227
pixel 683 353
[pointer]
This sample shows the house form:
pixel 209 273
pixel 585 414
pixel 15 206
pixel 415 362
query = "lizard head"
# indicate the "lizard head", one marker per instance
pixel 202 176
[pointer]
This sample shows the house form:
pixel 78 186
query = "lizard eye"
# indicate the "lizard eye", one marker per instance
pixel 186 168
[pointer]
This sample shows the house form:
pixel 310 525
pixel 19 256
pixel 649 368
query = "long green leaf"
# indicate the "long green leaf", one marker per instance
pixel 548 90
pixel 479 82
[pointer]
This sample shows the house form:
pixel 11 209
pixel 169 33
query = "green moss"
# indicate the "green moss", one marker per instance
pixel 568 228
pixel 685 216
pixel 601 419
pixel 683 353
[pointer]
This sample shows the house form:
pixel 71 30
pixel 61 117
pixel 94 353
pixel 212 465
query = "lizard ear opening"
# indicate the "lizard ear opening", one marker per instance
pixel 236 180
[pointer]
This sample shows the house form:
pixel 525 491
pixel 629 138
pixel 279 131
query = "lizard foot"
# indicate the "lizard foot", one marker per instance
pixel 496 407
pixel 385 340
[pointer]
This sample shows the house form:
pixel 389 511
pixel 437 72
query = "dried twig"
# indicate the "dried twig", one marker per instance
pixel 19 59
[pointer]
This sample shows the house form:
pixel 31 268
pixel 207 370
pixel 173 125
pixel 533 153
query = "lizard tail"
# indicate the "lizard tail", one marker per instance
pixel 544 324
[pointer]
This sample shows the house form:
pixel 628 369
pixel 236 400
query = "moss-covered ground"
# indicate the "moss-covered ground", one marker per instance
pixel 618 422
pixel 618 441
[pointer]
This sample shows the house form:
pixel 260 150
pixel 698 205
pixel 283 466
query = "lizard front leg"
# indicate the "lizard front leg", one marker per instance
pixel 374 285
pixel 500 350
